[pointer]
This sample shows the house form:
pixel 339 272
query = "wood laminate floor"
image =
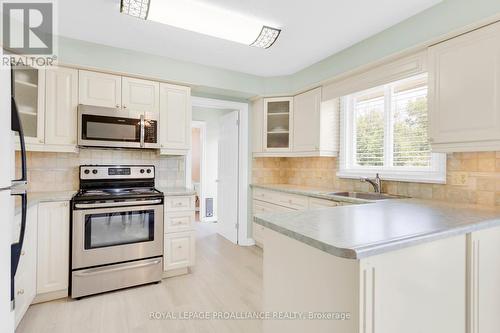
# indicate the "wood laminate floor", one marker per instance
pixel 226 278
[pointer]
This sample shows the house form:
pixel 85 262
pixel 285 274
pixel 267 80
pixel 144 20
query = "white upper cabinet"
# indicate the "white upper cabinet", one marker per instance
pixel 29 92
pixel 140 95
pixel 464 92
pixel 278 123
pixel 306 117
pixel 303 125
pixel 175 119
pixel 257 125
pixel 100 89
pixel 61 97
pixel 53 247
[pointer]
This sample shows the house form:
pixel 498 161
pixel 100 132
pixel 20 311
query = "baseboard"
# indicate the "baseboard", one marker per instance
pixel 45 297
pixel 247 242
pixel 175 272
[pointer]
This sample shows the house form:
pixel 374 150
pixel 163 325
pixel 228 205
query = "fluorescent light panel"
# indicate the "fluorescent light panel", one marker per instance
pixel 205 19
pixel 136 8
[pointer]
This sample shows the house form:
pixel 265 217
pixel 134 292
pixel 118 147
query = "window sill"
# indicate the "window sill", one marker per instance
pixel 394 175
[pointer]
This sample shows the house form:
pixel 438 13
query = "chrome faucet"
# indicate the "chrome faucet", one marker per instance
pixel 376 183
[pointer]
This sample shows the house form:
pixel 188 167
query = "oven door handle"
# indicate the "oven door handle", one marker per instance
pixel 123 267
pixel 119 204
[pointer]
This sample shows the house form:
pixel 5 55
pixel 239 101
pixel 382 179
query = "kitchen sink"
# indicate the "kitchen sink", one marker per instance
pixel 363 195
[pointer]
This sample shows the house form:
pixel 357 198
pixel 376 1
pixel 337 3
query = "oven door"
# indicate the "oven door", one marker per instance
pixel 116 234
pixel 106 127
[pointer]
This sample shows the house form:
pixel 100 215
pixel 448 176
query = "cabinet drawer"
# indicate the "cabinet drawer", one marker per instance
pixel 266 207
pixel 179 250
pixel 293 201
pixel 179 221
pixel 264 195
pixel 322 203
pixel 179 203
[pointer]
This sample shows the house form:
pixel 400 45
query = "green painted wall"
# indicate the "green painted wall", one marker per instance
pixel 436 21
pixel 224 82
pixel 430 24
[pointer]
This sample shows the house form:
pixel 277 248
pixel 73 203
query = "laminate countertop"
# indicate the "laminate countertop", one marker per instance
pixel 176 191
pixel 313 192
pixel 359 231
pixel 34 198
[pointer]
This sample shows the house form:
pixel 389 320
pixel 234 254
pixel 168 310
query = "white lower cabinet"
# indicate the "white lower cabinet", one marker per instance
pixel 264 207
pixel 483 289
pixel 382 293
pixel 179 221
pixel 25 280
pixel 180 237
pixel 53 249
pixel 179 250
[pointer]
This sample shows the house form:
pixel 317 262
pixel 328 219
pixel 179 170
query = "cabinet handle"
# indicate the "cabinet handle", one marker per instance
pixel 179 246
pixel 20 292
pixel 117 106
pixel 124 106
pixel 23 253
pixel 41 141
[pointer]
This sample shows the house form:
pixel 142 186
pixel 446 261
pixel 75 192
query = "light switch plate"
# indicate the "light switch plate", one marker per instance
pixel 460 178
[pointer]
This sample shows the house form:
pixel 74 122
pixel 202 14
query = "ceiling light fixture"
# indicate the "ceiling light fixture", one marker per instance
pixel 205 19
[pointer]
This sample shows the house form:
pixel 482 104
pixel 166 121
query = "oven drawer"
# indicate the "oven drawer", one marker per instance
pixel 179 250
pixel 179 203
pixel 97 280
pixel 179 221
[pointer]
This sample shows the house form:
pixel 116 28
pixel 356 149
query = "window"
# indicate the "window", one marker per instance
pixel 384 130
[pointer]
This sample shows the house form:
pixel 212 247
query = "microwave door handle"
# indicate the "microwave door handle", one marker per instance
pixel 16 248
pixel 16 126
pixel 142 130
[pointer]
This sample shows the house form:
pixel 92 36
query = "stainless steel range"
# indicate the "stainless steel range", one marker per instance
pixel 117 229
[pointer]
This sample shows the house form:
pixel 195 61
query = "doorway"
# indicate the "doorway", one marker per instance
pixel 228 199
pixel 197 155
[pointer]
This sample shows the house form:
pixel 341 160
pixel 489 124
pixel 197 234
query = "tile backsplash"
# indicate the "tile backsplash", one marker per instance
pixel 472 178
pixel 59 171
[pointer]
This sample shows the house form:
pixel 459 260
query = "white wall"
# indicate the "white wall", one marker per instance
pixel 211 118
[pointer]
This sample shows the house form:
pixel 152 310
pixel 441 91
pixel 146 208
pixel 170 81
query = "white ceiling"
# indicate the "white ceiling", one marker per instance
pixel 311 31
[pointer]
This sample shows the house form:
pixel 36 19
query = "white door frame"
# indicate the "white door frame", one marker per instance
pixel 242 108
pixel 189 166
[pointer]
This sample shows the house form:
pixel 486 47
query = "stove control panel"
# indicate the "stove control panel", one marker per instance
pixel 91 172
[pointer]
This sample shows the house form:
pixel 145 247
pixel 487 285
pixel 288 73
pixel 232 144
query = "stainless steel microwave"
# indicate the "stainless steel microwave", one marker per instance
pixel 109 127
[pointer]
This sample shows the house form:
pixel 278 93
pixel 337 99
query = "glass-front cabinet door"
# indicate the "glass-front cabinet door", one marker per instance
pixel 29 94
pixel 278 113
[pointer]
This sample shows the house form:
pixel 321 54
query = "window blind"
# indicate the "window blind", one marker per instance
pixel 411 146
pixel 390 125
pixel 369 128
